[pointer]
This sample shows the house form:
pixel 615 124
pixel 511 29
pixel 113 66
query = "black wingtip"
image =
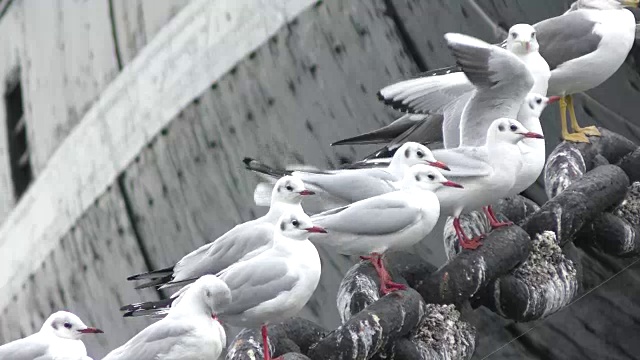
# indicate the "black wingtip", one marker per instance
pixel 247 161
pixel 380 97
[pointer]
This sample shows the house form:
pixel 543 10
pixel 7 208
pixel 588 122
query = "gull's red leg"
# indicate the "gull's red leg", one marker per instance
pixel 386 282
pixel 465 242
pixel 265 343
pixel 493 220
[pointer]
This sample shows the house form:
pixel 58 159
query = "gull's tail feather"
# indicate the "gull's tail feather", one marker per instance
pixel 172 284
pixel 259 167
pixel 156 277
pixel 147 308
pixel 152 274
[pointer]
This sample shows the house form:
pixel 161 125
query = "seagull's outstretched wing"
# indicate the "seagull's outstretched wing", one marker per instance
pixel 428 94
pixel 489 66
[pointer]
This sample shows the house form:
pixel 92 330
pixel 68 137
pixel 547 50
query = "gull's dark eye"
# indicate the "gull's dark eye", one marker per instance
pixel 295 223
pixel 431 177
pixel 420 154
pixel 501 127
pixel 538 101
pixel 513 127
pixel 533 35
pixel 514 35
pixel 289 187
pixel 67 325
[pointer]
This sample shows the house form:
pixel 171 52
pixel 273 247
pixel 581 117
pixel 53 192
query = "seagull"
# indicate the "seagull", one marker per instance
pixel 391 221
pixel 189 331
pixel 533 150
pixel 270 287
pixel 487 173
pixel 584 47
pixel 447 91
pixel 59 339
pixel 342 187
pixel 244 241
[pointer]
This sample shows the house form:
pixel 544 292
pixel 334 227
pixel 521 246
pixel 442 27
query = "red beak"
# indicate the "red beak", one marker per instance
pixel 91 330
pixel 306 192
pixel 316 229
pixel 528 46
pixel 553 99
pixel 452 184
pixel 533 135
pixel 438 164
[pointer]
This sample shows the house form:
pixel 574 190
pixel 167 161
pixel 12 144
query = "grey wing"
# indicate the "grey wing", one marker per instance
pixel 241 241
pixel 157 339
pixel 375 216
pixel 566 37
pixel 29 348
pixel 489 66
pixel 464 161
pixel 426 95
pixel 256 281
pixel 353 185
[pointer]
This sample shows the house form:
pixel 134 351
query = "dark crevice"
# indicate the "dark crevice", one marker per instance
pixel 407 42
pixel 134 227
pixel 4 7
pixel 114 33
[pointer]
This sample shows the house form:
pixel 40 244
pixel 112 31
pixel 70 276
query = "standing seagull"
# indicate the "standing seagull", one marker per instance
pixel 486 172
pixel 59 339
pixel 584 47
pixel 189 331
pixel 268 288
pixel 244 241
pixel 342 187
pixel 392 221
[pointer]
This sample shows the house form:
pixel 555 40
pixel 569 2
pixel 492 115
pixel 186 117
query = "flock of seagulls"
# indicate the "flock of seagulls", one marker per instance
pixel 487 111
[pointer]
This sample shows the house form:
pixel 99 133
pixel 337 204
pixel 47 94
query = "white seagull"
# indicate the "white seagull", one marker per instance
pixel 584 47
pixel 189 331
pixel 244 241
pixel 392 221
pixel 58 339
pixel 342 187
pixel 447 91
pixel 487 173
pixel 270 287
pixel 533 150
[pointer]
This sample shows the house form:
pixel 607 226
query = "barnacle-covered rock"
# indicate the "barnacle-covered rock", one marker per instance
pixel 543 284
pixel 358 289
pixel 580 203
pixel 373 329
pixel 468 272
pixel 295 335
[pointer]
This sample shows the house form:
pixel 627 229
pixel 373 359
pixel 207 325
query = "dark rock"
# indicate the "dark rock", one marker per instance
pixel 294 356
pixel 631 165
pixel 516 208
pixel 467 273
pixel 358 289
pixel 440 335
pixel 545 283
pixel 294 335
pixel 372 329
pixel 581 202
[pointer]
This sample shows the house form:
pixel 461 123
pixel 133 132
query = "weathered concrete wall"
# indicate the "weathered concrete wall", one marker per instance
pixel 136 22
pixel 85 274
